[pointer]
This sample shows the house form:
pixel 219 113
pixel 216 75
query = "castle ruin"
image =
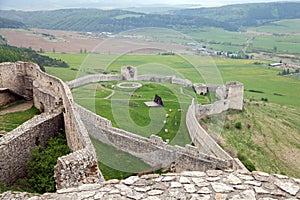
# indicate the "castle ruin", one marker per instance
pixel 77 174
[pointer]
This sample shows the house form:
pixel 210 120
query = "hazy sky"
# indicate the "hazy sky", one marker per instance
pixel 57 4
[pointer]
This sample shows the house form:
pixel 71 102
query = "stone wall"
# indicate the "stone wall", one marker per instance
pixel 151 150
pixel 7 97
pixel 93 79
pixel 51 95
pixel 201 138
pixel 235 95
pixel 16 146
pixel 153 78
pixel 212 184
pixel 210 109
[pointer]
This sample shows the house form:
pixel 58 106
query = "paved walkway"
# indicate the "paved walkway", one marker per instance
pixel 213 184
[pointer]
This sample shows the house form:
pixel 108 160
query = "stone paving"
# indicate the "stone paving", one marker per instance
pixel 212 184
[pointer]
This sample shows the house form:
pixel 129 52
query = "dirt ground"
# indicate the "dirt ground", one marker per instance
pixel 16 108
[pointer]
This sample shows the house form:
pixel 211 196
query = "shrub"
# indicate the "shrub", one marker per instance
pixel 238 125
pixel 246 162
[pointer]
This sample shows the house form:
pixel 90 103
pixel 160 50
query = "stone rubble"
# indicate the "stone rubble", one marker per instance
pixel 195 185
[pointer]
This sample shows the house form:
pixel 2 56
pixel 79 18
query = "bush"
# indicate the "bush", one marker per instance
pixel 40 169
pixel 238 125
pixel 246 162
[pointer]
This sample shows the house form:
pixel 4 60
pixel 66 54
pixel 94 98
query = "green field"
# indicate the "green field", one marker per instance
pixel 254 76
pixel 10 121
pixel 126 108
pixel 289 26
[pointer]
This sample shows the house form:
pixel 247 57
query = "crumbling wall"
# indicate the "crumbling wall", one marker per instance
pixel 200 137
pixel 151 150
pixel 7 97
pixel 16 146
pixel 51 95
pixel 93 79
pixel 235 95
pixel 153 78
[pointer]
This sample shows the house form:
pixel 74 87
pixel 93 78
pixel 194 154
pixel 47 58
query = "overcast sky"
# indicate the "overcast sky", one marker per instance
pixel 57 4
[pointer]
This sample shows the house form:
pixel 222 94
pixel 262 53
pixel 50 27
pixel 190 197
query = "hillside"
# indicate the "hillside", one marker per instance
pixel 264 135
pixel 230 17
pixel 8 23
pixel 14 54
pixel 254 14
pixel 96 20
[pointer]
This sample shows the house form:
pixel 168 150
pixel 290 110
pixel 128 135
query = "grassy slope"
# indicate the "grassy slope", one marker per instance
pixel 269 137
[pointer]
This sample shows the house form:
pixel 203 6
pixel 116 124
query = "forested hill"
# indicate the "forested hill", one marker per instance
pixel 96 20
pixel 8 23
pixel 14 54
pixel 254 14
pixel 230 17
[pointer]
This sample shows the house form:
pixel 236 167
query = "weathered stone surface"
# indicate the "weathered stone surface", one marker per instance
pixel 190 188
pixel 247 194
pixel 255 183
pixel 214 173
pixel 168 178
pixel 220 196
pixel 288 187
pixel 175 185
pixel 259 190
pixel 184 180
pixel 130 180
pixel 232 179
pixel 155 192
pixel 204 190
pixel 221 188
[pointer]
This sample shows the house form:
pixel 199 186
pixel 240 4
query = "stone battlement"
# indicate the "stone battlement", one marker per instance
pixel 194 185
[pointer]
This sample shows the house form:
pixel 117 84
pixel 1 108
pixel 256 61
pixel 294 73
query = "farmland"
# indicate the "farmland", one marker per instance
pixel 255 74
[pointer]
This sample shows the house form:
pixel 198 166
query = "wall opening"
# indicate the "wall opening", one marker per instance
pixel 42 108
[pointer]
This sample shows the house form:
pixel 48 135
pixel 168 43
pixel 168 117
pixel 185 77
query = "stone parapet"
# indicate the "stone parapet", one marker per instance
pixel 211 184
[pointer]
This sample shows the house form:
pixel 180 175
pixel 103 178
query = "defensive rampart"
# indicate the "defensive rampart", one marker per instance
pixel 200 137
pixel 151 150
pixel 51 95
pixel 15 147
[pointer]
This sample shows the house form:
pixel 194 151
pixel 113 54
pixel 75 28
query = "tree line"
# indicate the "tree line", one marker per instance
pixel 14 54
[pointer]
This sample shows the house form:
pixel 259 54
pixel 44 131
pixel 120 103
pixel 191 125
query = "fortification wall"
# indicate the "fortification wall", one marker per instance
pixel 200 137
pixel 235 94
pixel 151 150
pixel 7 97
pixel 93 79
pixel 210 109
pixel 50 95
pixel 153 78
pixel 16 146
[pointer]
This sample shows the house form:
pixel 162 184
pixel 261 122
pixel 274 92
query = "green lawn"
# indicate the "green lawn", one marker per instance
pixel 10 121
pixel 128 111
pixel 117 164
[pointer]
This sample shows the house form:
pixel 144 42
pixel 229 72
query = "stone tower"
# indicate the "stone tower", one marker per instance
pixel 129 73
pixel 235 95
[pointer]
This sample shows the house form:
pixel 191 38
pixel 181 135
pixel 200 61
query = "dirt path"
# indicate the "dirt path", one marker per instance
pixel 20 107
